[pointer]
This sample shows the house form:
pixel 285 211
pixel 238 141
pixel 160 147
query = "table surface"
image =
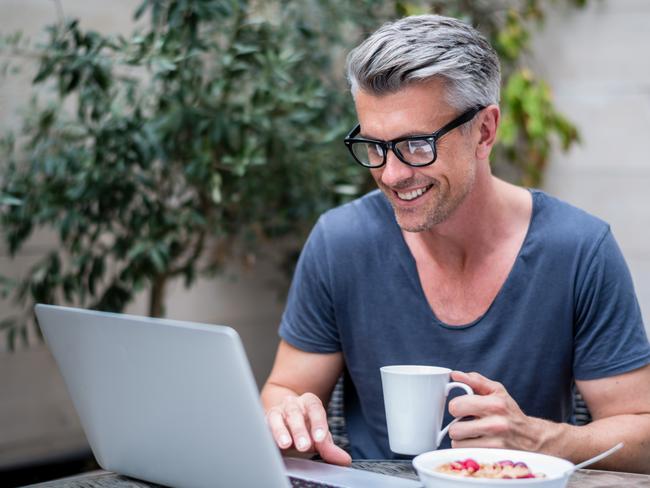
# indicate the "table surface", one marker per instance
pixel 583 478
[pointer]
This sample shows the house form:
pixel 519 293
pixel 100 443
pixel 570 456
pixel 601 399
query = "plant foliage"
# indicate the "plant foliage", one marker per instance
pixel 218 121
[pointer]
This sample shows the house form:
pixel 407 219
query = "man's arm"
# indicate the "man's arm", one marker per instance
pixel 619 405
pixel 620 408
pixel 294 396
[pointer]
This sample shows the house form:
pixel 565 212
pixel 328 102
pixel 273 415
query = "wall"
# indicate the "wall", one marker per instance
pixel 598 65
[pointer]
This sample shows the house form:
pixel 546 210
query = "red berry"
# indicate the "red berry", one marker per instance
pixel 472 465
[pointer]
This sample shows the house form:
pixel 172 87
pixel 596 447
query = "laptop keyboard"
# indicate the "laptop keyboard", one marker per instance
pixel 403 469
pixel 298 483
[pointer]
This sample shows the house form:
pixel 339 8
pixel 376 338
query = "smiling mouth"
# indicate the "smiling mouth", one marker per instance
pixel 413 194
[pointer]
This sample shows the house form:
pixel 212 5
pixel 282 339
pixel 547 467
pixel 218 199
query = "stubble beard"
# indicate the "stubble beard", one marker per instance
pixel 441 204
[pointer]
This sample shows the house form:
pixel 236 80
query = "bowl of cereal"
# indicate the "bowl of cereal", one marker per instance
pixel 494 468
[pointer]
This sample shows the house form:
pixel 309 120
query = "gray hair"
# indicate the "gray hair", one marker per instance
pixel 423 47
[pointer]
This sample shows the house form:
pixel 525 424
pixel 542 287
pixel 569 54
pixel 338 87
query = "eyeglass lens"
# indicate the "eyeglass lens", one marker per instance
pixel 413 151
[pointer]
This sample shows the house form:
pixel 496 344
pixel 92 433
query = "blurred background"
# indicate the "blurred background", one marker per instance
pixel 577 112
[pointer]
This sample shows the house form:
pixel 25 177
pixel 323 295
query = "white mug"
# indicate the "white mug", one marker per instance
pixel 414 398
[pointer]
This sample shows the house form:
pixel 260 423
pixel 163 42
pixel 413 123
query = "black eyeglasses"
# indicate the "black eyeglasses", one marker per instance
pixel 417 151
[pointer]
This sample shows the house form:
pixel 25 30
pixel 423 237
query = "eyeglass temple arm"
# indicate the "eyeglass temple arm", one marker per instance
pixel 466 117
pixel 354 132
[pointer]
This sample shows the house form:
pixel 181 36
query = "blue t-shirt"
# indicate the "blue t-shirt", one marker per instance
pixel 567 311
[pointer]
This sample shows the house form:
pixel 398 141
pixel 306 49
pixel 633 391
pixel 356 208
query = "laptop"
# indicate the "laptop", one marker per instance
pixel 175 403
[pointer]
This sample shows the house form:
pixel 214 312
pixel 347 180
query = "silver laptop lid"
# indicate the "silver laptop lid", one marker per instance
pixel 166 401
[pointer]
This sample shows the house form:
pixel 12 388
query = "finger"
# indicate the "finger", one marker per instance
pixel 295 420
pixel 281 434
pixel 479 383
pixel 331 453
pixel 486 427
pixel 478 406
pixel 317 416
pixel 491 442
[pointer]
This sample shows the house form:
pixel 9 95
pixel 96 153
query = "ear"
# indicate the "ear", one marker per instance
pixel 488 125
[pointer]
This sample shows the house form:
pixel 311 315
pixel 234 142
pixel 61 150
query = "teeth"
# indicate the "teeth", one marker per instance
pixel 412 194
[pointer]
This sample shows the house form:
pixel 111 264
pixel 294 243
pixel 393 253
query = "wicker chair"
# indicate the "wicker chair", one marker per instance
pixel 580 409
pixel 336 418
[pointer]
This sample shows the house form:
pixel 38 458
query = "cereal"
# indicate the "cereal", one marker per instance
pixel 505 469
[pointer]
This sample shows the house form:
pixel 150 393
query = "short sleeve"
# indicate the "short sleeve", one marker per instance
pixel 610 337
pixel 308 322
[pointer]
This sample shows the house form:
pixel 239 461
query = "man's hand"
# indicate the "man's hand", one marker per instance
pixel 301 421
pixel 496 419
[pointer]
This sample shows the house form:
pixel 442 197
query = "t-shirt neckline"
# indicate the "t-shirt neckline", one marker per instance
pixel 407 261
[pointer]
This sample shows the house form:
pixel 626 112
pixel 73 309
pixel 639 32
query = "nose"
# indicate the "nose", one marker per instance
pixel 395 170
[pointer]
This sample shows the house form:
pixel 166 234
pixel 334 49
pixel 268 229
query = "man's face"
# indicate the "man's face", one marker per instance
pixel 421 197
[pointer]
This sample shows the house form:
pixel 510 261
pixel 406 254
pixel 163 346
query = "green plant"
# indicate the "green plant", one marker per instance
pixel 217 123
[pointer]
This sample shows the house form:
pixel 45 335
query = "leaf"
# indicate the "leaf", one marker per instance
pixel 45 70
pixel 69 288
pixel 114 298
pixel 163 66
pixel 215 192
pixel 96 273
pixel 135 251
pixel 157 259
pixel 101 77
pixel 141 9
pixel 243 49
pixel 9 200
pixel 508 131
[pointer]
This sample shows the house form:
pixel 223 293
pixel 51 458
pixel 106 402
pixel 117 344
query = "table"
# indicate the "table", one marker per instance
pixel 583 478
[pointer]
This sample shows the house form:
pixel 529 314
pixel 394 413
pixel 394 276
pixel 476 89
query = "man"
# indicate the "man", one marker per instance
pixel 450 266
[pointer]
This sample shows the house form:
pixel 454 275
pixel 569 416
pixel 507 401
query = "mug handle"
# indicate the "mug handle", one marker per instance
pixel 448 388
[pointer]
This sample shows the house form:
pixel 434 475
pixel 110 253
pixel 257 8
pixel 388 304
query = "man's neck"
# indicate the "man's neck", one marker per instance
pixel 491 213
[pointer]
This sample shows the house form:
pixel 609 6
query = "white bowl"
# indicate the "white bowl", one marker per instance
pixel 557 470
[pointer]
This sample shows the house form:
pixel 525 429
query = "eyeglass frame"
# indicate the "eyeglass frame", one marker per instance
pixel 432 138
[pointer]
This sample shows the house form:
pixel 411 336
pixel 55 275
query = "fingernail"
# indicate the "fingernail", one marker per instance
pixel 319 435
pixel 285 440
pixel 302 443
